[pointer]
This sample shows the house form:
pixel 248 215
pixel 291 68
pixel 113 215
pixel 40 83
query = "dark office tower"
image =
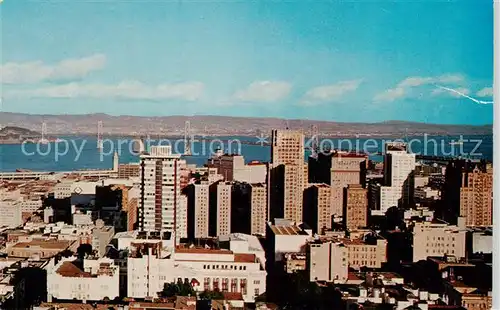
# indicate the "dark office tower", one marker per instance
pixel 456 176
pixel 241 210
pixel 317 208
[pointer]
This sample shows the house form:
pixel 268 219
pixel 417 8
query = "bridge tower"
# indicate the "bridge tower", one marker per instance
pixel 44 133
pixel 99 135
pixel 187 138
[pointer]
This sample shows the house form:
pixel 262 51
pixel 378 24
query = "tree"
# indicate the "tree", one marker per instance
pixel 177 289
pixel 211 295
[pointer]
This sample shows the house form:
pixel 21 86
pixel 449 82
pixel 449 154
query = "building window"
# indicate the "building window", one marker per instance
pixel 206 284
pixel 225 282
pixel 243 286
pixel 216 284
pixel 234 284
pixel 256 292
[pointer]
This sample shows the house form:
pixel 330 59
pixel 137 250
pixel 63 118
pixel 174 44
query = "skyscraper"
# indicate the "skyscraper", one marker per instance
pixel 258 209
pixel 355 207
pixel 287 147
pixel 399 167
pixel 287 174
pixel 476 197
pixel 160 190
pixel 338 169
pixel 317 207
pixel 198 213
pixel 223 209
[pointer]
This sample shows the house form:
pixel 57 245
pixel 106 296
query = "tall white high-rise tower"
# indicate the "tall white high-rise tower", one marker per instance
pixel 161 206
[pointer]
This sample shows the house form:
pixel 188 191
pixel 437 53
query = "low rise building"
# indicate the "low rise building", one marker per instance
pixel 295 262
pixel 327 261
pixel 83 280
pixel 437 239
pixel 11 213
pixel 370 251
pixel 40 249
pixel 426 192
pixel 285 237
pixel 480 240
pixel 151 265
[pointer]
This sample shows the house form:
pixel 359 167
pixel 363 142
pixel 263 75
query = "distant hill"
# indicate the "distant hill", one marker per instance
pixel 224 125
pixel 15 132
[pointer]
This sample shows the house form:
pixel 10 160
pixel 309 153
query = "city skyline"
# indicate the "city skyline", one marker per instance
pixel 383 61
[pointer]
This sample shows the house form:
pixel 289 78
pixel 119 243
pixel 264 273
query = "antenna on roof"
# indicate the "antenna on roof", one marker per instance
pixel 287 125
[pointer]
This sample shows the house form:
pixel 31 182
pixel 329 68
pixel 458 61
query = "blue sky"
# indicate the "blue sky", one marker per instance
pixel 364 61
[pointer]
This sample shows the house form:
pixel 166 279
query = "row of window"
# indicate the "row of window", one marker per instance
pixel 225 267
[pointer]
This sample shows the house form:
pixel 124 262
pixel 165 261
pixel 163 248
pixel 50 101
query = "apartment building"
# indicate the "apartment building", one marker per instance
pixel 63 189
pixel 160 190
pixel 198 210
pixel 131 170
pixel 226 164
pixel 327 261
pixel 258 209
pixel 355 207
pixel 368 252
pixel 90 280
pixel 437 239
pixel 476 197
pixel 287 174
pixel 223 209
pixel 399 168
pixel 346 169
pixel 253 172
pixel 286 192
pixel 11 211
pixel 317 207
pixel 284 237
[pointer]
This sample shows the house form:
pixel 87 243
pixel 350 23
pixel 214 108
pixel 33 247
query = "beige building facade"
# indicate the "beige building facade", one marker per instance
pixel 437 239
pixel 355 207
pixel 476 197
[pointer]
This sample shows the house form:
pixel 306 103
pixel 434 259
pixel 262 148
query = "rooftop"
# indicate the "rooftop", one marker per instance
pixel 71 306
pixel 46 244
pixel 70 269
pixel 287 230
pixel 73 270
pixel 244 258
pixel 198 250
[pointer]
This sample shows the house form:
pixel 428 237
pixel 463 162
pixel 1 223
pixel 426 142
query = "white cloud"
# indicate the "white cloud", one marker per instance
pixel 190 91
pixel 404 88
pixel 390 94
pixel 330 92
pixel 415 81
pixel 485 92
pixel 37 71
pixel 450 78
pixel 264 91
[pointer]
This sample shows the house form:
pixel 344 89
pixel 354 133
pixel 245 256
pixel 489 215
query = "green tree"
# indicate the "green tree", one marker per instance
pixel 177 289
pixel 211 295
